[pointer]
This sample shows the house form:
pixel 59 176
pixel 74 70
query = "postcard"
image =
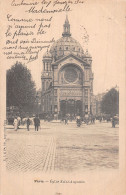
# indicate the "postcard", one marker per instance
pixel 63 97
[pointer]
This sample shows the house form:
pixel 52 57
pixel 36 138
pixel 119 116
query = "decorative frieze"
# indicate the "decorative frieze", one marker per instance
pixel 70 92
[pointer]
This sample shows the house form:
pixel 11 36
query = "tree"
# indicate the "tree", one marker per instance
pixel 21 90
pixel 110 102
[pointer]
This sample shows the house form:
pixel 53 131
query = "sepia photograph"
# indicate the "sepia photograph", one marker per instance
pixel 70 128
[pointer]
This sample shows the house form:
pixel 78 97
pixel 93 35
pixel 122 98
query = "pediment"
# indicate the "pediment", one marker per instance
pixel 71 58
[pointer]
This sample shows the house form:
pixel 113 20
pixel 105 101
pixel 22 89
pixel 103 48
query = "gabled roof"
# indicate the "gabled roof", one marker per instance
pixel 68 56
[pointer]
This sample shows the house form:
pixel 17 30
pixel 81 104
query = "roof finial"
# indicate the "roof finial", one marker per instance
pixel 67 21
pixel 66 28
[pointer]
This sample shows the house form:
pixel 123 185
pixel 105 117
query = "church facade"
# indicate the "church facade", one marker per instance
pixel 67 78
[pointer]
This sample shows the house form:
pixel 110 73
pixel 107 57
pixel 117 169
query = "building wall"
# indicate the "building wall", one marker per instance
pixel 80 89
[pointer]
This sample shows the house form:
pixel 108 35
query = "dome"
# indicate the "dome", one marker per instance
pixel 66 44
pixel 47 55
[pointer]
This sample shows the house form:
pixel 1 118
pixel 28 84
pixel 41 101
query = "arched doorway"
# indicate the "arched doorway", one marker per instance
pixel 79 107
pixel 71 107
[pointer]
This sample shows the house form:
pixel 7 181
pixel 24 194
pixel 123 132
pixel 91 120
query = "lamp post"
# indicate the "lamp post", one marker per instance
pixel 66 106
pixel 37 100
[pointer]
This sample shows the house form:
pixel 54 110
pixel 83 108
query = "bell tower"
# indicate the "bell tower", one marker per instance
pixel 46 82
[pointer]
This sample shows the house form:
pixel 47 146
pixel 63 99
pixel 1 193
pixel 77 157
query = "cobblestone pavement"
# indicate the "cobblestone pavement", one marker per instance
pixel 60 147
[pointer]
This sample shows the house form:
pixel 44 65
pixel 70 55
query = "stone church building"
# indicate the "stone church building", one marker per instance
pixel 67 78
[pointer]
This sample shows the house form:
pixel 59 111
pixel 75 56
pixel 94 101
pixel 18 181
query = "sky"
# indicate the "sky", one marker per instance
pixel 104 25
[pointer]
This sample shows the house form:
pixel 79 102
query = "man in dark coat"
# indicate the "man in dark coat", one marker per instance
pixel 113 122
pixel 28 123
pixel 36 123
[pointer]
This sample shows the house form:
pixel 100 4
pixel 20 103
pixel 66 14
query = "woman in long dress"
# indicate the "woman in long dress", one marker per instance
pixel 15 124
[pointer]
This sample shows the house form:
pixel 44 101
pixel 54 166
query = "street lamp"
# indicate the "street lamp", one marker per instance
pixel 37 100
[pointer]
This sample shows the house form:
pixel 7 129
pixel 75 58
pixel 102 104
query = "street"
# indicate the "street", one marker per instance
pixel 60 147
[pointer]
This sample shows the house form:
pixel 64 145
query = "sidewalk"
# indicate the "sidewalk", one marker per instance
pixel 20 127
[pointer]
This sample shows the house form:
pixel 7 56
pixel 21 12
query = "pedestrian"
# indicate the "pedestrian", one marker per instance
pixel 28 123
pixel 15 124
pixel 86 119
pixel 100 119
pixel 19 121
pixel 66 120
pixel 113 122
pixel 78 121
pixel 93 119
pixel 36 123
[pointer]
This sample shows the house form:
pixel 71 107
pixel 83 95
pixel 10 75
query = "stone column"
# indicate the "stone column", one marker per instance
pixel 58 99
pixel 55 76
pixel 89 101
pixel 83 103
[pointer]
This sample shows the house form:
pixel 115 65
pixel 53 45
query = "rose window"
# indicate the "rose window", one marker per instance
pixel 70 75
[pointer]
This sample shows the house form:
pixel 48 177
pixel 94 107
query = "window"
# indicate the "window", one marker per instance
pixel 66 48
pixel 43 85
pixel 47 85
pixel 55 92
pixel 70 75
pixel 86 100
pixel 44 65
pixel 50 67
pixel 86 92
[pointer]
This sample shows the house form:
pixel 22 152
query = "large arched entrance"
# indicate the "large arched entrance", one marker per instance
pixel 71 107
